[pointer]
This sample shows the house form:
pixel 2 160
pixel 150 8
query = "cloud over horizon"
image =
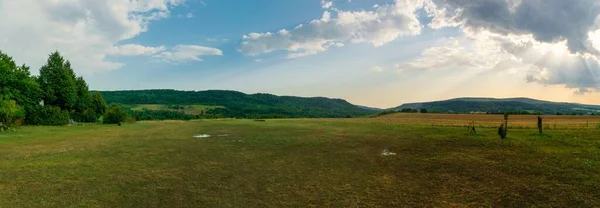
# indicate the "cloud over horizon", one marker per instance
pixel 338 27
pixel 183 53
pixel 553 39
pixel 85 31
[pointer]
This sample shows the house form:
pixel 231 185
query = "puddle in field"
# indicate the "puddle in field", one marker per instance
pixel 208 135
pixel 386 152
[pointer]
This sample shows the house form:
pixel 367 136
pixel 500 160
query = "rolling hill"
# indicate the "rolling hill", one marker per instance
pixel 241 105
pixel 493 105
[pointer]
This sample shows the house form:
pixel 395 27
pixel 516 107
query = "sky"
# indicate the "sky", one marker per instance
pixel 378 53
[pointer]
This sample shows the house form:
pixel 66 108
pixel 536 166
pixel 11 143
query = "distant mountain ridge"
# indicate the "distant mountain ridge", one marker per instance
pixel 499 105
pixel 241 105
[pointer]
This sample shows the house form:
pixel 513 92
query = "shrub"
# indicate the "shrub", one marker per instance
pixel 149 115
pixel 47 115
pixel 383 113
pixel 10 112
pixel 409 110
pixel 115 115
pixel 88 116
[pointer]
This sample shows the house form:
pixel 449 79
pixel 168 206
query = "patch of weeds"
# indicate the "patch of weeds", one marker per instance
pixel 542 135
pixel 475 134
pixel 588 163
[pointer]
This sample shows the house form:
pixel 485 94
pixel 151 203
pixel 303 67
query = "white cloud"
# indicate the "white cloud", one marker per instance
pixel 134 50
pixel 217 40
pixel 552 42
pixel 474 53
pixel 84 31
pixel 188 15
pixel 378 27
pixel 554 64
pixel 326 4
pixel 536 62
pixel 183 53
pixel 376 69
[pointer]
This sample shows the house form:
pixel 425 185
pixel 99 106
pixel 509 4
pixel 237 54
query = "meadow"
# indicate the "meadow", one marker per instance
pixel 430 161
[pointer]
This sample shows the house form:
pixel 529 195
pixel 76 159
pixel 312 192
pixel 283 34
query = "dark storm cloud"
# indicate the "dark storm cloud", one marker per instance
pixel 547 20
pixel 582 91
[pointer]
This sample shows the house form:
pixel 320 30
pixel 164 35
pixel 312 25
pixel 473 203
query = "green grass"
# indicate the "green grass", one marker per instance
pixel 296 163
pixel 189 109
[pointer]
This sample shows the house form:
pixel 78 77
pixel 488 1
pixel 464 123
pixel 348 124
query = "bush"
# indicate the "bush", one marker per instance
pixel 149 115
pixel 115 115
pixel 10 112
pixel 383 113
pixel 88 116
pixel 47 115
pixel 409 110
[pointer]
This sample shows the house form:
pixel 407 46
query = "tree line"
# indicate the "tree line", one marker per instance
pixel 236 104
pixel 55 97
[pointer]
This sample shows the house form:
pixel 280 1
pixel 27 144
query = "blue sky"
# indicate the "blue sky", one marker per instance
pixel 370 52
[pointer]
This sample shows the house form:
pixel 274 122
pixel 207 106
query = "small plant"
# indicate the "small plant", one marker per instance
pixel 471 129
pixel 589 163
pixel 587 124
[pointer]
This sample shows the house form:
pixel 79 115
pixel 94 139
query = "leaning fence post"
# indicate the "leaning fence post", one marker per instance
pixel 540 126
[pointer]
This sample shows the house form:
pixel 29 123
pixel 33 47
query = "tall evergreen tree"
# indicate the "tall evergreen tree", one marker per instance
pixel 58 83
pixel 84 109
pixel 84 98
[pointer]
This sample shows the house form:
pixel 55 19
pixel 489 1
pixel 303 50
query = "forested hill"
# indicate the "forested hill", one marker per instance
pixel 492 105
pixel 241 105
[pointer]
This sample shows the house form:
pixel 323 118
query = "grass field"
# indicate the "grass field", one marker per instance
pixel 188 109
pixel 484 120
pixel 301 163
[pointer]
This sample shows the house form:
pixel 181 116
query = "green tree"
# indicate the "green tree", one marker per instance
pixel 16 83
pixel 98 103
pixel 84 109
pixel 57 83
pixel 115 115
pixel 84 98
pixel 9 113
